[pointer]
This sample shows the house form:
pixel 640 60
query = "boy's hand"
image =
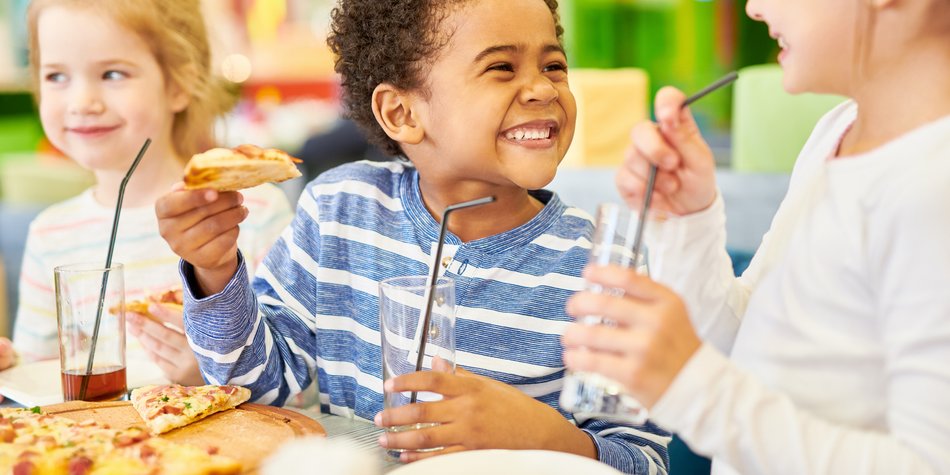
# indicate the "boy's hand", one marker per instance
pixel 686 177
pixel 476 413
pixel 201 226
pixel 7 355
pixel 166 347
pixel 651 343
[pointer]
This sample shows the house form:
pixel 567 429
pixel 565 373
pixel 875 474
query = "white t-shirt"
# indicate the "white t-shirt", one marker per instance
pixel 78 230
pixel 839 331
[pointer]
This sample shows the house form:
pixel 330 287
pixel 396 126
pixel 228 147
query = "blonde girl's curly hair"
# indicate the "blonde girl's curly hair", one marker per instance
pixel 175 32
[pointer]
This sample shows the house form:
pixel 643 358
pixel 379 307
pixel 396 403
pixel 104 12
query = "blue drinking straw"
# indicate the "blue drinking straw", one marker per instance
pixel 105 277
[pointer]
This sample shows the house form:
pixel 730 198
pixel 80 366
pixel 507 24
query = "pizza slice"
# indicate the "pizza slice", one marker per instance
pixel 172 299
pixel 170 406
pixel 241 167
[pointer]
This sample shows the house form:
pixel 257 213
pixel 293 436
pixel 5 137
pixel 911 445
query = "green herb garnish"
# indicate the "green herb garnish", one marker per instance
pixel 187 405
pixel 36 410
pixel 164 398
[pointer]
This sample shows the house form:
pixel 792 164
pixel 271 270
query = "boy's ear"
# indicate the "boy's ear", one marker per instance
pixel 394 112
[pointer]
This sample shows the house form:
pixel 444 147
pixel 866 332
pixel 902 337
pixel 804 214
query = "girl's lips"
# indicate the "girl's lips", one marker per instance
pixel 92 131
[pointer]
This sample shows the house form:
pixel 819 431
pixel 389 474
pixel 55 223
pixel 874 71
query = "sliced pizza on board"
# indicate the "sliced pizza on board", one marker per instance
pixel 170 406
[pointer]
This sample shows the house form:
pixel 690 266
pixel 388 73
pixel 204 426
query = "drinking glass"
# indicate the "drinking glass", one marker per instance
pixel 401 306
pixel 592 394
pixel 83 292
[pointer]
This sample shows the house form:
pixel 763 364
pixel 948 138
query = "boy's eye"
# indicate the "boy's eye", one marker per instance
pixel 555 67
pixel 55 77
pixel 507 67
pixel 113 75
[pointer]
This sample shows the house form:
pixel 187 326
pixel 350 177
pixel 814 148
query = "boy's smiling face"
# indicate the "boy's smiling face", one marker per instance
pixel 497 109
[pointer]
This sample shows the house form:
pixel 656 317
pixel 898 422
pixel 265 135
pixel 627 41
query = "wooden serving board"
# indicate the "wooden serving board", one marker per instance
pixel 248 433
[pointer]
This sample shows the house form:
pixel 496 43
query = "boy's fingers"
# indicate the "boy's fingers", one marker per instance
pixel 191 218
pixel 425 438
pixel 420 412
pixel 408 457
pixel 219 249
pixel 446 384
pixel 181 202
pixel 212 227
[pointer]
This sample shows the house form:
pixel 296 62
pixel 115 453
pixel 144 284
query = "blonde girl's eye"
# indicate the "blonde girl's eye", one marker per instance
pixel 114 75
pixel 55 78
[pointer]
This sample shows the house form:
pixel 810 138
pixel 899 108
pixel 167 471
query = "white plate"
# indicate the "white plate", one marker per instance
pixel 501 462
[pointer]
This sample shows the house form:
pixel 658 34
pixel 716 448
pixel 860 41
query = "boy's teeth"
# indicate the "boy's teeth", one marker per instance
pixel 781 43
pixel 528 134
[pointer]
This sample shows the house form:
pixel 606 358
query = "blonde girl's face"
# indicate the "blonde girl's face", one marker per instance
pixel 101 91
pixel 817 41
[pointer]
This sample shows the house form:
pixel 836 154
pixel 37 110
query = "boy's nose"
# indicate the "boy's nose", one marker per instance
pixel 539 90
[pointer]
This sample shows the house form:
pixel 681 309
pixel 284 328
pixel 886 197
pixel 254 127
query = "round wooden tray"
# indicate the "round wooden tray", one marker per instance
pixel 248 433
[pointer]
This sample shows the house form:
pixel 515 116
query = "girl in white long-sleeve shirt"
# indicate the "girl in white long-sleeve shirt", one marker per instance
pixel 831 354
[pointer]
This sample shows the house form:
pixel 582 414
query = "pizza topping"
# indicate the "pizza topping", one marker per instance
pixel 212 450
pixel 170 409
pixel 24 467
pixel 147 452
pixel 79 465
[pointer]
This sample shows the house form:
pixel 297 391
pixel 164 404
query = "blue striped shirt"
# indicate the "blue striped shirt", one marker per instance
pixel 313 308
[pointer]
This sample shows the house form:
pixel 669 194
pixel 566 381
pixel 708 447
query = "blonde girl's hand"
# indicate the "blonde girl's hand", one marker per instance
pixel 7 355
pixel 650 344
pixel 166 347
pixel 201 226
pixel 686 176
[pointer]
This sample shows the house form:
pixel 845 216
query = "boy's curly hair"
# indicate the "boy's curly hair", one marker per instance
pixel 388 41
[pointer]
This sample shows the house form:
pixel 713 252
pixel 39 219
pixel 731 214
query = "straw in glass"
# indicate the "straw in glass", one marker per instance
pixel 105 276
pixel 433 277
pixel 651 179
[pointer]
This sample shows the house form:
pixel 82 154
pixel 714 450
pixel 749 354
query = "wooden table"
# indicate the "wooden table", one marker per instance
pixel 362 433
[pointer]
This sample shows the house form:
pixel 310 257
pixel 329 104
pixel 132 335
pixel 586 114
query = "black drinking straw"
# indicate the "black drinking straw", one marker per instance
pixel 651 179
pixel 105 277
pixel 433 278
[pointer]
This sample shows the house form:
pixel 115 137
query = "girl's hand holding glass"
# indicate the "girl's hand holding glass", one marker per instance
pixel 651 342
pixel 686 176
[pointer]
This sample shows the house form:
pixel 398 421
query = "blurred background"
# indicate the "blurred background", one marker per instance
pixel 273 52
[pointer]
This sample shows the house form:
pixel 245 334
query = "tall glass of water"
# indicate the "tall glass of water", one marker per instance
pixel 592 394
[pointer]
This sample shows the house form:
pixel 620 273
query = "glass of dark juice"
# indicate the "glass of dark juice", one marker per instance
pixel 90 312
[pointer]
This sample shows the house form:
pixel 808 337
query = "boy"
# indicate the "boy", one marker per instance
pixel 475 95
